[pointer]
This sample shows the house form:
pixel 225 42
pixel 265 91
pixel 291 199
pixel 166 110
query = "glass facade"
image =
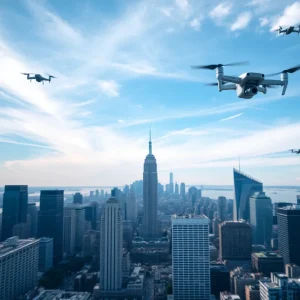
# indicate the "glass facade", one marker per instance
pixel 244 188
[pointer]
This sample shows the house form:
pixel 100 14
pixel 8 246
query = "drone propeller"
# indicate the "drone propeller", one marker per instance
pixel 51 76
pixel 27 73
pixel 212 67
pixel 211 84
pixel 290 70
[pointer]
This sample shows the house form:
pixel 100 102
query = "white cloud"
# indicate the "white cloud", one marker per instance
pixel 85 103
pixel 121 121
pixel 221 11
pixel 232 117
pixel 109 87
pixel 264 21
pixel 242 21
pixel 258 2
pixel 182 4
pixel 195 24
pixel 290 16
pixel 167 11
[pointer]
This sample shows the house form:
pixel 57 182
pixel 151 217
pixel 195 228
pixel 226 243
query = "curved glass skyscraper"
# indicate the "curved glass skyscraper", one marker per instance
pixel 244 187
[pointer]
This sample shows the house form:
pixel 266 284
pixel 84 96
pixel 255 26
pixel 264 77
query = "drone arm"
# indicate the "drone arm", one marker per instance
pixel 30 77
pixel 228 87
pixel 231 79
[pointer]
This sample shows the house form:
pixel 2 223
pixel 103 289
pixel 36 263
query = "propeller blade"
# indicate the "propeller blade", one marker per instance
pixel 211 84
pixel 51 76
pixel 290 70
pixel 214 66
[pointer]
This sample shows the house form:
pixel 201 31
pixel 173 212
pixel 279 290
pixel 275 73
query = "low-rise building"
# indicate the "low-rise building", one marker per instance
pixel 62 295
pixel 228 296
pixel 219 278
pixel 267 262
pixel 252 292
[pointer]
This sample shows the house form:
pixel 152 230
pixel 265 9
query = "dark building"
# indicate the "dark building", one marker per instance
pixel 288 233
pixel 267 262
pixel 222 208
pixel 219 279
pixel 15 200
pixel 91 214
pixel 235 240
pixel 261 218
pixel 244 187
pixel 77 198
pixel 33 214
pixel 50 220
pixel 275 209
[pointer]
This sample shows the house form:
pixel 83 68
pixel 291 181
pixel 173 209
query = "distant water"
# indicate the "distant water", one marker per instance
pixel 276 193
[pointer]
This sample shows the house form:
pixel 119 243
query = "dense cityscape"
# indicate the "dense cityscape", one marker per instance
pixel 149 241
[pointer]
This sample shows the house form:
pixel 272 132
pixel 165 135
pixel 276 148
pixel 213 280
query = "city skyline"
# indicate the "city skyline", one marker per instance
pixel 143 68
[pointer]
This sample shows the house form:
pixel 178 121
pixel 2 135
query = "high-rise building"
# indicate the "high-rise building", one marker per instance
pixel 261 218
pixel 288 233
pixel 252 292
pixel 45 254
pixel 69 230
pixel 51 220
pixel 219 278
pixel 244 187
pixel 222 208
pixel 171 184
pixel 292 271
pixel 275 209
pixel 78 198
pixel 18 267
pixel 182 190
pixel 190 256
pixel 111 246
pixel 267 262
pixel 91 214
pixel 15 200
pixel 80 227
pixel 131 207
pixel 33 214
pixel 176 188
pixel 235 240
pixel 150 226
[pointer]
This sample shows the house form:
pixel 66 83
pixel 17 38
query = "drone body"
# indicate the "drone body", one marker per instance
pixel 288 30
pixel 38 77
pixel 248 84
pixel 296 151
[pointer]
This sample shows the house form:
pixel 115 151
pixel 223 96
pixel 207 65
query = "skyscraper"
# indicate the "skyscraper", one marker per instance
pixel 69 230
pixel 171 184
pixel 288 233
pixel 182 190
pixel 80 227
pixel 15 200
pixel 261 218
pixel 33 214
pixel 78 198
pixel 191 257
pixel 131 207
pixel 45 254
pixel 150 221
pixel 18 267
pixel 235 240
pixel 244 188
pixel 111 246
pixel 222 208
pixel 176 188
pixel 50 220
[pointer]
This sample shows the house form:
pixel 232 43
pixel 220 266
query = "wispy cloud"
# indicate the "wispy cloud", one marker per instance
pixel 289 17
pixel 241 22
pixel 26 144
pixel 221 11
pixel 195 24
pixel 232 117
pixel 109 87
pixel 85 103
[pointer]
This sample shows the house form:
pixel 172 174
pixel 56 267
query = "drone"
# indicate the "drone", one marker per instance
pixel 296 151
pixel 38 77
pixel 249 84
pixel 288 30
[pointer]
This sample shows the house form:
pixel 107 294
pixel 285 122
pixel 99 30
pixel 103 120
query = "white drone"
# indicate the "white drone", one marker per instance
pixel 247 85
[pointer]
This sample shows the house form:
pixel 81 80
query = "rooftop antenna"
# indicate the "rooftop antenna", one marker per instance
pixel 150 142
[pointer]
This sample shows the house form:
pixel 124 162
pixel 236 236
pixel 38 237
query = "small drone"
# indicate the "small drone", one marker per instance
pixel 249 84
pixel 38 77
pixel 296 151
pixel 288 30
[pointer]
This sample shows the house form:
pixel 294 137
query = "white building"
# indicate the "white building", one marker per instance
pixel 111 246
pixel 69 231
pixel 191 257
pixel 18 266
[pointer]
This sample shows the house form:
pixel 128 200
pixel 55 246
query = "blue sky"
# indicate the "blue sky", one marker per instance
pixel 123 66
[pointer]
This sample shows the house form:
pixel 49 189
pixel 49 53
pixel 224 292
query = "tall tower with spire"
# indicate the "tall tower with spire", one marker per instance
pixel 150 228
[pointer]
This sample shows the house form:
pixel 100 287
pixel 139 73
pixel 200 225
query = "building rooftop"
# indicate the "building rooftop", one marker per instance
pixel 266 255
pixel 229 296
pixel 13 243
pixel 189 216
pixel 291 207
pixel 59 295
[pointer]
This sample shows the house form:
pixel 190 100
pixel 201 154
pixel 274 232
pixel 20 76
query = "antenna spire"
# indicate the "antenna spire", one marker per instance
pixel 150 142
